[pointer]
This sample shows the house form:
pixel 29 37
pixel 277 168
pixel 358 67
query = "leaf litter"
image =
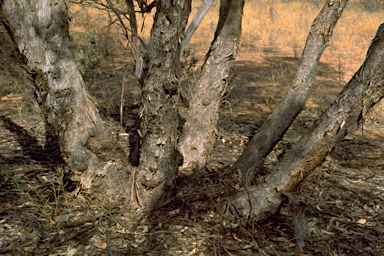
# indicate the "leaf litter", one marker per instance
pixel 338 211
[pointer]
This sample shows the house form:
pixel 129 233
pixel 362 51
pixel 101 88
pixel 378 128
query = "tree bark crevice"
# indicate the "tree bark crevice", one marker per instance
pixel 160 81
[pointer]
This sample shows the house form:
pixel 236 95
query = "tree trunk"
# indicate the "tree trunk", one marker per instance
pixel 159 155
pixel 200 126
pixel 95 161
pixel 362 92
pixel 281 119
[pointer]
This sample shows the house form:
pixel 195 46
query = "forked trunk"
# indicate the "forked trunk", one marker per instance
pixel 362 92
pixel 281 119
pixel 200 126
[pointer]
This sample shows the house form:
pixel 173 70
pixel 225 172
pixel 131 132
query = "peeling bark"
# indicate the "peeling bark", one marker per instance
pixel 96 162
pixel 281 119
pixel 200 126
pixel 362 92
pixel 159 155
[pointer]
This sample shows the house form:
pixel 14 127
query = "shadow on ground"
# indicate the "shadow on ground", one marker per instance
pixel 341 203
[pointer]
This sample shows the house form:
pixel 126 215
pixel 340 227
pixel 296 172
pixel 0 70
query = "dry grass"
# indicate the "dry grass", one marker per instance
pixel 39 218
pixel 270 25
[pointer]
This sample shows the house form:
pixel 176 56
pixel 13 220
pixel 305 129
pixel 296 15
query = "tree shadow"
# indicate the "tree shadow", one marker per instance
pixel 258 87
pixel 49 155
pixel 109 100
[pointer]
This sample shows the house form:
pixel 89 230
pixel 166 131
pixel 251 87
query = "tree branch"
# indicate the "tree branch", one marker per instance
pixel 362 92
pixel 281 119
pixel 196 22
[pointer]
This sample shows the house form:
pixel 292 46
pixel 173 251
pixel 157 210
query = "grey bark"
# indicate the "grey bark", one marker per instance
pixel 95 161
pixel 280 120
pixel 200 126
pixel 362 92
pixel 159 155
pixel 204 8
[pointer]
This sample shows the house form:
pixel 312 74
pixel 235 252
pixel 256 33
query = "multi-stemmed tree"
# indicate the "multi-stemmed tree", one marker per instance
pixel 99 166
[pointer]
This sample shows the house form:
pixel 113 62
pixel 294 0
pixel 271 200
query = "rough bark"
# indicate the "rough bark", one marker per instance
pixel 159 155
pixel 280 120
pixel 200 126
pixel 95 161
pixel 362 92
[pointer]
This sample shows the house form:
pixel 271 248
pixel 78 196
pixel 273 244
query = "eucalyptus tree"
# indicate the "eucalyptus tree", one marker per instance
pixel 97 163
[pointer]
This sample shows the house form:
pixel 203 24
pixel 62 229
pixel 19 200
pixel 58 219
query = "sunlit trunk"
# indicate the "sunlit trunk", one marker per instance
pixel 94 159
pixel 281 119
pixel 216 76
pixel 160 84
pixel 343 117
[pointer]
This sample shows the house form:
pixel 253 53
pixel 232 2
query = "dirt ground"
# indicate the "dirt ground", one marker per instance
pixel 340 208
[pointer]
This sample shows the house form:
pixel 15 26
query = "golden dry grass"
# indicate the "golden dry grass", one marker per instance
pixel 268 25
pixel 271 28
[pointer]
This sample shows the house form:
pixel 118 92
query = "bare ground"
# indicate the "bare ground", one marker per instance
pixel 338 211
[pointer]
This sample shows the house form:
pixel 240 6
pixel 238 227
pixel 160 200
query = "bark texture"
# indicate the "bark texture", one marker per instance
pixel 200 126
pixel 362 92
pixel 95 161
pixel 159 155
pixel 281 119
